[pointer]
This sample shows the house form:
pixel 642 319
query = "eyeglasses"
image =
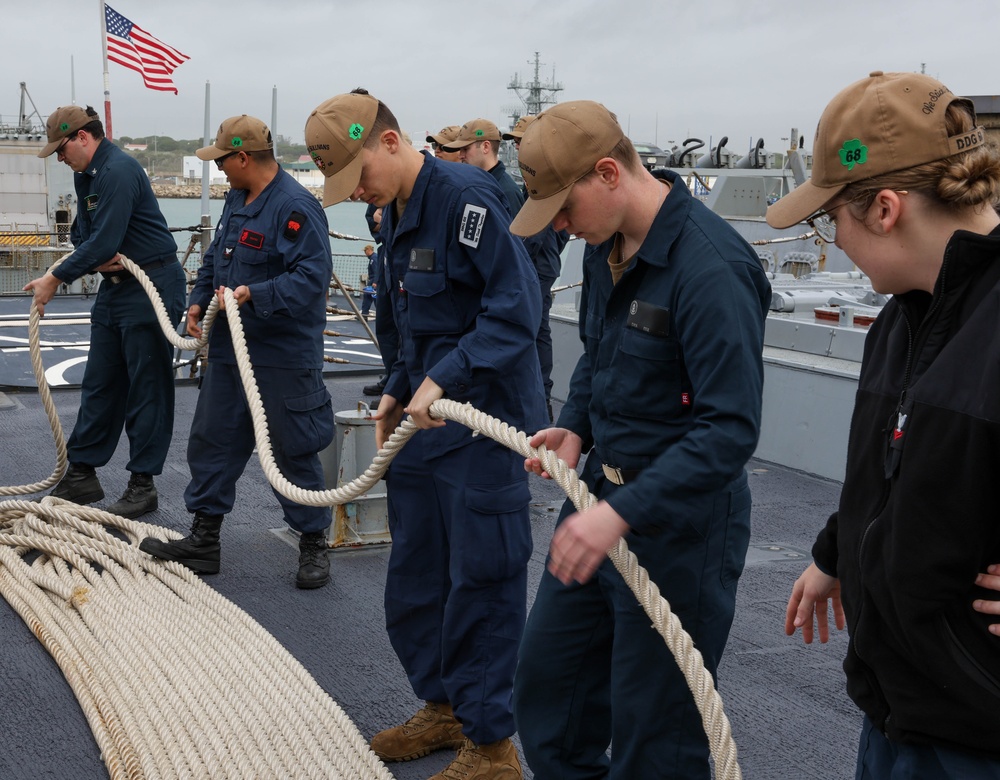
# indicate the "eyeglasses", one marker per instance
pixel 61 149
pixel 824 224
pixel 222 160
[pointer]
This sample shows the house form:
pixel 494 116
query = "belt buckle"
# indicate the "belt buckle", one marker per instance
pixel 613 474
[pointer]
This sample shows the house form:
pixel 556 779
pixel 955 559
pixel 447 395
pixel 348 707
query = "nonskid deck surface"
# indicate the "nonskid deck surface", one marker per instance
pixel 790 715
pixel 64 335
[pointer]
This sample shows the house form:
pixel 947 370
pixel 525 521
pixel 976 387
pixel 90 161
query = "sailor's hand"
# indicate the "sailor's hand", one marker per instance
pixel 241 294
pixel 581 542
pixel 114 264
pixel 563 442
pixel 990 580
pixel 387 419
pixel 419 407
pixel 193 320
pixel 43 289
pixel 810 594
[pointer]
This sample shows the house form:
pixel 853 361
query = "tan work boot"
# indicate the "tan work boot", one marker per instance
pixel 496 761
pixel 433 728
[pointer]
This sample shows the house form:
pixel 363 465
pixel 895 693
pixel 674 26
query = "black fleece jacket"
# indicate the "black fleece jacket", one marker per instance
pixel 919 513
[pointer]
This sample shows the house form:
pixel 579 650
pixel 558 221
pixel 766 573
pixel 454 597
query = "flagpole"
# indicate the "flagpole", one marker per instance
pixel 274 118
pixel 107 81
pixel 206 215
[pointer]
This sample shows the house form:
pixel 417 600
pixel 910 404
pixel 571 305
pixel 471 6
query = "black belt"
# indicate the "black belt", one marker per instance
pixel 120 276
pixel 619 476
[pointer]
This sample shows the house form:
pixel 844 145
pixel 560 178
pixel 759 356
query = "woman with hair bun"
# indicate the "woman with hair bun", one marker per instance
pixel 905 183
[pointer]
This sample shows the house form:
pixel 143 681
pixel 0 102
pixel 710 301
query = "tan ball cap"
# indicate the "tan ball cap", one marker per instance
pixel 886 122
pixel 517 131
pixel 558 149
pixel 449 133
pixel 476 130
pixel 62 123
pixel 336 132
pixel 238 134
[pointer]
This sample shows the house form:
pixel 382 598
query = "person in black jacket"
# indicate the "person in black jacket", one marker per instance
pixel 904 181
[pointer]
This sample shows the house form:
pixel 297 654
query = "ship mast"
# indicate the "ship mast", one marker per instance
pixel 534 95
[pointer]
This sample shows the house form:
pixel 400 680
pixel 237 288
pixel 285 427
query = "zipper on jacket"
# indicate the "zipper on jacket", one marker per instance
pixel 904 407
pixel 897 426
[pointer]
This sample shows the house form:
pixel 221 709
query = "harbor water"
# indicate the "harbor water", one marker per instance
pixel 346 218
pixel 349 260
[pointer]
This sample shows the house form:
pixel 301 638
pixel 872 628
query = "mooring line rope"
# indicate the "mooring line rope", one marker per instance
pixel 181 581
pixel 174 680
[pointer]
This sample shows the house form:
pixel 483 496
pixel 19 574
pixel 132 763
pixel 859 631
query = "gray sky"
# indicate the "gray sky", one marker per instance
pixel 740 68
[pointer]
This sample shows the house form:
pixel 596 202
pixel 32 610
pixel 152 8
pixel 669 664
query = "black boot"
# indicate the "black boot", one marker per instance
pixel 199 551
pixel 138 499
pixel 79 485
pixel 314 561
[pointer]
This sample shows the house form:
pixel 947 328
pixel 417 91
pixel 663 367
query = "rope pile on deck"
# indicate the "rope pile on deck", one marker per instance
pixel 127 629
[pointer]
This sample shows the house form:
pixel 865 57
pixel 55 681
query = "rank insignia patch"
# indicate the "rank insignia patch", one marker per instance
pixel 472 225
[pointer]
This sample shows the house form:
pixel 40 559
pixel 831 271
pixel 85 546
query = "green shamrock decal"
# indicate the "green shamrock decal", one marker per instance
pixel 64 126
pixel 237 141
pixel 480 133
pixel 853 153
pixel 355 131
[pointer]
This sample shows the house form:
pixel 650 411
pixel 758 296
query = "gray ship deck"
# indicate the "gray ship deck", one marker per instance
pixel 791 717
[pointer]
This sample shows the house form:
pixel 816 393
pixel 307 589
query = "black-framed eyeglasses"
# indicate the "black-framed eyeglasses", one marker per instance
pixel 219 162
pixel 825 223
pixel 60 150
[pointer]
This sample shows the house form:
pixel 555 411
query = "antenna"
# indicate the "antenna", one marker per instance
pixel 534 94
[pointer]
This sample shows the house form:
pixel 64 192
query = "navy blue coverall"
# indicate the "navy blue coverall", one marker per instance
pixel 129 378
pixel 465 300
pixel 669 391
pixel 279 247
pixel 545 250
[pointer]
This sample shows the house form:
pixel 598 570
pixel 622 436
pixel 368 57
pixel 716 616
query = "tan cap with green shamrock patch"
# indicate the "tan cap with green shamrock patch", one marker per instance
pixel 886 122
pixel 238 134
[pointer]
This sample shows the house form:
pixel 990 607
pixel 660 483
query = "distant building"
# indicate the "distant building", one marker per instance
pixel 136 147
pixel 305 172
pixel 192 168
pixel 988 112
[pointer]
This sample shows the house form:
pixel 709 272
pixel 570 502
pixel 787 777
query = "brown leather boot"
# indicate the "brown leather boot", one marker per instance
pixel 434 727
pixel 496 761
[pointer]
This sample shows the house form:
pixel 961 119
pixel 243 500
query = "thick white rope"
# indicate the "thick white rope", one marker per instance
pixel 175 680
pixel 689 659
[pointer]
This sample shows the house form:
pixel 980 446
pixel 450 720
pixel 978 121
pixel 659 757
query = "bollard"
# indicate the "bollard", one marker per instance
pixel 365 520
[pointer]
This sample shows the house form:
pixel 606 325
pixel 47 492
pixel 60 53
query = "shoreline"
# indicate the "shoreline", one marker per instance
pixel 215 191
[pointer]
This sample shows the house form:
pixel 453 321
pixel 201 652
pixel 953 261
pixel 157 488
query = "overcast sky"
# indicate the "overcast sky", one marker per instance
pixel 740 68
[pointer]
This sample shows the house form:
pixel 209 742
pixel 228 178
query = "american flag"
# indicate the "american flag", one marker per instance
pixel 133 47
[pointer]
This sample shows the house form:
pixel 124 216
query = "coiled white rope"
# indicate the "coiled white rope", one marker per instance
pixel 689 659
pixel 174 680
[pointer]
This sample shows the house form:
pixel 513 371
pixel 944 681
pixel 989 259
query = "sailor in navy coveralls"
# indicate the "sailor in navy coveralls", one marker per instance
pixel 667 399
pixel 129 379
pixel 466 302
pixel 272 249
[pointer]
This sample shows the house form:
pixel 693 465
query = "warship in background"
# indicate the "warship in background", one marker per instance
pixel 37 199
